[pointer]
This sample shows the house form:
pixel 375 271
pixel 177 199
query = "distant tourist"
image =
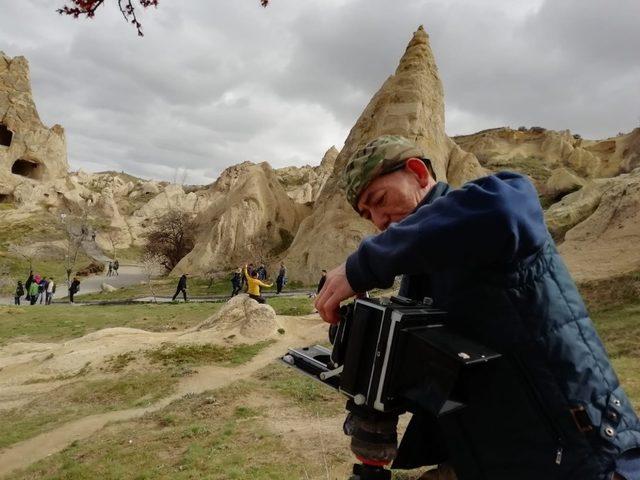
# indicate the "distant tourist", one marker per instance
pixel 93 236
pixel 323 279
pixel 236 282
pixel 262 272
pixel 33 290
pixel 51 289
pixel 116 266
pixel 27 285
pixel 42 289
pixel 281 279
pixel 19 292
pixel 74 288
pixel 110 272
pixel 182 287
pixel 254 285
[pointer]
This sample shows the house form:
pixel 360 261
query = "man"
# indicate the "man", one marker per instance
pixel 323 279
pixel 110 272
pixel 236 282
pixel 27 286
pixel 552 408
pixel 254 284
pixel 74 288
pixel 262 272
pixel 182 287
pixel 281 279
pixel 116 266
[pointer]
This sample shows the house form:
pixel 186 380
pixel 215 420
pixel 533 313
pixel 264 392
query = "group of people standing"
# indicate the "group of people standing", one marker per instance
pixel 36 289
pixel 113 268
pixel 251 279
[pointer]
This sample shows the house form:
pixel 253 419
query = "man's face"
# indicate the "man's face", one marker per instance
pixel 392 197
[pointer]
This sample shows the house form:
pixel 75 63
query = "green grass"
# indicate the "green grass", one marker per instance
pixel 60 322
pixel 301 390
pixel 215 435
pixel 291 305
pixel 82 398
pixel 619 328
pixel 171 354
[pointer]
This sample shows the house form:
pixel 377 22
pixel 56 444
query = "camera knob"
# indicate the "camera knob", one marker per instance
pixel 359 399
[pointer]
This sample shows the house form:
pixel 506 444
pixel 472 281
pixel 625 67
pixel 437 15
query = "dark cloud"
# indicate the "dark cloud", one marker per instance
pixel 216 83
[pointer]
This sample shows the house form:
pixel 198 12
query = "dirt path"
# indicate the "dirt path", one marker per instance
pixel 300 331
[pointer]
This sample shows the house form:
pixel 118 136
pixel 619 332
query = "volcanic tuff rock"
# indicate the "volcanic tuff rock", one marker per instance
pixel 303 184
pixel 409 103
pixel 537 152
pixel 250 218
pixel 599 227
pixel 29 151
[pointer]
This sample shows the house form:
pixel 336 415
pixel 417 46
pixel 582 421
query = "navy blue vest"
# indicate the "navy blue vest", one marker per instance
pixel 552 408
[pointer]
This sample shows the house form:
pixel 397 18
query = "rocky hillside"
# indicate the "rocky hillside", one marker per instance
pixel 589 188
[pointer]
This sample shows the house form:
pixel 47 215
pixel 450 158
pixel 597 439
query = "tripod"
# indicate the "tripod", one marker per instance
pixel 363 471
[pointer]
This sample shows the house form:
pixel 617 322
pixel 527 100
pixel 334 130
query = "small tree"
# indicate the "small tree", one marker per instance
pixel 152 267
pixel 87 8
pixel 171 238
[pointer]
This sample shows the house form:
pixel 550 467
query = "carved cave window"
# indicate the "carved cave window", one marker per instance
pixel 6 136
pixel 28 168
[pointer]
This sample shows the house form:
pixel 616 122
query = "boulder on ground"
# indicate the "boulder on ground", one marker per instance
pixel 563 181
pixel 106 288
pixel 243 317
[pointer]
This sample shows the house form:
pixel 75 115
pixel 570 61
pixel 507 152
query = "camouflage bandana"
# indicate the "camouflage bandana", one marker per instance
pixel 383 155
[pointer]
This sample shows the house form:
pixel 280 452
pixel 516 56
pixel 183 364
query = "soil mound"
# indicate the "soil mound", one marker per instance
pixel 243 317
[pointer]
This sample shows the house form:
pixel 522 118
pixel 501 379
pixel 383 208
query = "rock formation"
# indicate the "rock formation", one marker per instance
pixel 29 151
pixel 243 318
pixel 250 217
pixel 598 227
pixel 537 152
pixel 409 103
pixel 303 184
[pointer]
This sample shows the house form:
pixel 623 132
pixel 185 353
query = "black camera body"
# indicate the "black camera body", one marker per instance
pixel 392 355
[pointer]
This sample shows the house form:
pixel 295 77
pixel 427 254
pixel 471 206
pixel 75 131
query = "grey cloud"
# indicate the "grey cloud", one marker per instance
pixel 216 83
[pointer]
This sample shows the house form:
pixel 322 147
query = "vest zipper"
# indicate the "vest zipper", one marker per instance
pixel 554 430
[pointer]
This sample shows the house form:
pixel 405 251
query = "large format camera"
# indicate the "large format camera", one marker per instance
pixel 390 356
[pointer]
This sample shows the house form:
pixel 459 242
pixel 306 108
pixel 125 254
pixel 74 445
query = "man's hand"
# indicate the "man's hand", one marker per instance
pixel 335 289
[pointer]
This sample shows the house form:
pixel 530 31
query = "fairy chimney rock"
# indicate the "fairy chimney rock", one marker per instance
pixel 29 151
pixel 409 103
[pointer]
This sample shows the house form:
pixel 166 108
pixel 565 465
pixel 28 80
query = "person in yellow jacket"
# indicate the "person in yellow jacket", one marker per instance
pixel 254 285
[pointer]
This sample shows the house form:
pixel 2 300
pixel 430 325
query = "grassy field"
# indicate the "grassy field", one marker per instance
pixel 267 427
pixel 59 322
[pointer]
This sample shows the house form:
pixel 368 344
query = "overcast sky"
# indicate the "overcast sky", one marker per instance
pixel 217 82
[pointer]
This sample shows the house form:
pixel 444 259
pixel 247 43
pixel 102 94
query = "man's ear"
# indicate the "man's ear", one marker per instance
pixel 418 168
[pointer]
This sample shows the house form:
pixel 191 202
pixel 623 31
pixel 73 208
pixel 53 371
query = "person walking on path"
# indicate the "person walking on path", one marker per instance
pixel 110 272
pixel 27 285
pixel 236 282
pixel 33 292
pixel 19 292
pixel 116 266
pixel 281 279
pixel 74 288
pixel 51 289
pixel 323 279
pixel 182 287
pixel 254 285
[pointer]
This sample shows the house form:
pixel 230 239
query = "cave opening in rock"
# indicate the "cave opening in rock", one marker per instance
pixel 28 168
pixel 6 136
pixel 6 198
